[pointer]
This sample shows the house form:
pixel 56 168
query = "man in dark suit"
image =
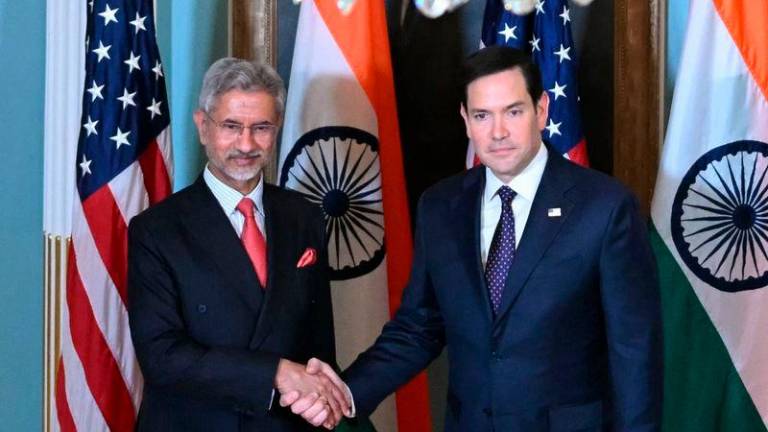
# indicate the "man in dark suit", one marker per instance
pixel 228 293
pixel 535 273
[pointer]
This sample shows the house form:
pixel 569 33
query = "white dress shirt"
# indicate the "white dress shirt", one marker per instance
pixel 229 198
pixel 525 185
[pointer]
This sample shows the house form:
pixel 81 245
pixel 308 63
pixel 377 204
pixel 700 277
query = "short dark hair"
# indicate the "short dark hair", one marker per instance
pixel 498 58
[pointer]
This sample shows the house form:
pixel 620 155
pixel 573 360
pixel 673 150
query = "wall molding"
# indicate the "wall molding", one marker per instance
pixel 253 31
pixel 638 94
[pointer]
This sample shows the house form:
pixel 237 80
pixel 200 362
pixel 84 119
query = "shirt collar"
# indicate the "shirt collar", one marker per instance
pixel 229 197
pixel 524 184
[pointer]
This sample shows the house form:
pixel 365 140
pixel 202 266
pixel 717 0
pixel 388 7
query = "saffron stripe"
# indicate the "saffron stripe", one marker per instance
pixel 63 414
pixel 156 179
pixel 102 373
pixel 746 21
pixel 110 234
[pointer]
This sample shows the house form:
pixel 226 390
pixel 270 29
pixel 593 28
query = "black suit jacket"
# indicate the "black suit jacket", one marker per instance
pixel 207 336
pixel 575 345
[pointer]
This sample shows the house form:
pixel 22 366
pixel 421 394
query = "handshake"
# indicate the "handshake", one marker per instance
pixel 314 392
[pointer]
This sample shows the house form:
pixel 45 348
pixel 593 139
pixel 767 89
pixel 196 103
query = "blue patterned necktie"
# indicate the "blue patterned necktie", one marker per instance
pixel 502 250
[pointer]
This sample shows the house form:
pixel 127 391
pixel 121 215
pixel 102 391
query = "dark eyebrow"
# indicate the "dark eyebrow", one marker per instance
pixel 514 105
pixel 517 104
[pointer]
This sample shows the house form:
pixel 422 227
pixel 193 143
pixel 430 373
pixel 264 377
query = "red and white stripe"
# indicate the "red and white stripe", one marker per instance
pixel 99 383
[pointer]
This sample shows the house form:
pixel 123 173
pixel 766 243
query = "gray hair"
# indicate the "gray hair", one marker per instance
pixel 230 73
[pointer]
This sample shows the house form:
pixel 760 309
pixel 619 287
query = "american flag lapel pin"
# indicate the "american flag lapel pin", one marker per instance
pixel 554 212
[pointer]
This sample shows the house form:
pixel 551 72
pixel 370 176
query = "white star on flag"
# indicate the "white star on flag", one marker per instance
pixel 109 15
pixel 102 51
pixel 508 32
pixel 90 4
pixel 127 98
pixel 85 165
pixel 95 91
pixel 535 44
pixel 563 53
pixel 154 108
pixel 139 23
pixel 90 127
pixel 558 90
pixel 133 62
pixel 566 15
pixel 553 128
pixel 539 6
pixel 121 138
pixel 158 70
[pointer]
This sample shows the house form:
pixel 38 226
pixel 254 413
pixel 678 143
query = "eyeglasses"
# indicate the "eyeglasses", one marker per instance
pixel 231 131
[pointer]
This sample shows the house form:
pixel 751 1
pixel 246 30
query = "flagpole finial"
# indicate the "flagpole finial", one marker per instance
pixel 436 8
pixel 520 7
pixel 582 2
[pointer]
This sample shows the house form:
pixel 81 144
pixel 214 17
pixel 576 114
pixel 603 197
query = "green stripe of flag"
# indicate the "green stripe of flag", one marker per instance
pixel 702 389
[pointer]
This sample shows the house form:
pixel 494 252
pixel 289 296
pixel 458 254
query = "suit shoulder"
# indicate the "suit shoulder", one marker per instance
pixel 168 209
pixel 293 200
pixel 592 183
pixel 451 186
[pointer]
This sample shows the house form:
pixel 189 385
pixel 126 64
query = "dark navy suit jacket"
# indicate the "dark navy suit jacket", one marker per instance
pixel 207 336
pixel 576 344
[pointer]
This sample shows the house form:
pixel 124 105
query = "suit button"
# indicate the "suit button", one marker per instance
pixel 487 412
pixel 495 356
pixel 202 308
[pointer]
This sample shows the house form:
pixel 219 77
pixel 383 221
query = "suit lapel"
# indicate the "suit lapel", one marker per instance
pixel 467 207
pixel 280 257
pixel 211 228
pixel 541 228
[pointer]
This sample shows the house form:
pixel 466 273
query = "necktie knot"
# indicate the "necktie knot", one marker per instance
pixel 245 206
pixel 507 195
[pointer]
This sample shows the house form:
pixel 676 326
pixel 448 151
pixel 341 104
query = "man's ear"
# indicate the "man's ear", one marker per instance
pixel 199 118
pixel 465 116
pixel 542 110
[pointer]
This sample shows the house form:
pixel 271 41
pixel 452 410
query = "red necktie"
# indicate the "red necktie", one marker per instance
pixel 253 240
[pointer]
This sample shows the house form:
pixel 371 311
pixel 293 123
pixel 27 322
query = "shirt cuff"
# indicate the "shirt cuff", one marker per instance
pixel 352 409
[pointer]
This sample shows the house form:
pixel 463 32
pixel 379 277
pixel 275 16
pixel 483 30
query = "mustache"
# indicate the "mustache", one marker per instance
pixel 237 154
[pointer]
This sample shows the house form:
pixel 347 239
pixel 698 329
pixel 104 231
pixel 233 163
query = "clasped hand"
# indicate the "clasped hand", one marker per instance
pixel 314 392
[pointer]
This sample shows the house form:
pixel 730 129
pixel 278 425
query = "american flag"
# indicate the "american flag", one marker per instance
pixel 546 34
pixel 123 166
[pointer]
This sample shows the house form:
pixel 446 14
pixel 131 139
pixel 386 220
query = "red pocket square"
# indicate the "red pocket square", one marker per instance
pixel 307 259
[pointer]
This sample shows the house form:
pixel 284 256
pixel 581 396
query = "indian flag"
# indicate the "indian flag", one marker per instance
pixel 710 213
pixel 341 150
